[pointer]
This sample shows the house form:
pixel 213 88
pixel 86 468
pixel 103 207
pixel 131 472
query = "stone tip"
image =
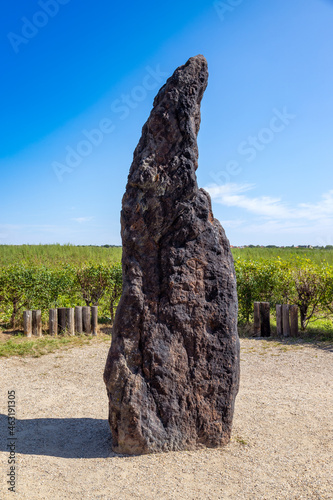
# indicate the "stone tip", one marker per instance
pixel 190 78
pixel 199 61
pixel 198 57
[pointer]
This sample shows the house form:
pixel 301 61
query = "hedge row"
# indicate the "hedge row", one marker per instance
pixel 41 287
pixel 297 281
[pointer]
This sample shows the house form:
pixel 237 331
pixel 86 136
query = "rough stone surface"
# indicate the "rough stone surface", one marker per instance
pixel 172 372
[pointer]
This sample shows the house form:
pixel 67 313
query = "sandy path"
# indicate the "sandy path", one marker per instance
pixel 281 446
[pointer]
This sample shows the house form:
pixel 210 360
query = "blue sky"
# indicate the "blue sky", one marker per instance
pixel 78 82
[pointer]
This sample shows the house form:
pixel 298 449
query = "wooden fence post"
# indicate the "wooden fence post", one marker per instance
pixel 294 320
pixel 94 319
pixel 78 319
pixel 62 319
pixel 53 322
pixel 285 320
pixel 70 320
pixel 279 320
pixel 86 321
pixel 256 319
pixel 27 323
pixel 37 323
pixel 264 319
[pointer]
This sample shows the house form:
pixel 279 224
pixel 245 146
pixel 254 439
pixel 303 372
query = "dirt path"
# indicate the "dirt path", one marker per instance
pixel 281 446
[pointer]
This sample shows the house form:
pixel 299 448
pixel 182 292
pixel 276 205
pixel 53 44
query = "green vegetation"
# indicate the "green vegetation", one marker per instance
pixel 19 346
pixel 58 254
pixel 240 440
pixel 316 255
pixel 295 281
pixel 47 276
pixel 29 286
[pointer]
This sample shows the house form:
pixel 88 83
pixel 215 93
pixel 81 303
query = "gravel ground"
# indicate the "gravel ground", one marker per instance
pixel 281 446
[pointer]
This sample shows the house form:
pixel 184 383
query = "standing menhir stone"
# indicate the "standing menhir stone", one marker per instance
pixel 172 372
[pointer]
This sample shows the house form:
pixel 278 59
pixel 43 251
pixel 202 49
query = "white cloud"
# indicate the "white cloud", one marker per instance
pixel 272 217
pixel 80 220
pixel 231 195
pixel 233 223
pixel 228 189
pixel 320 210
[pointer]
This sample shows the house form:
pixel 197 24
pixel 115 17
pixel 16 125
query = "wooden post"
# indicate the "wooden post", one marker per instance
pixel 293 314
pixel 264 319
pixel 62 319
pixel 70 320
pixel 279 320
pixel 27 323
pixel 256 319
pixel 285 320
pixel 86 321
pixel 94 319
pixel 78 319
pixel 53 322
pixel 37 323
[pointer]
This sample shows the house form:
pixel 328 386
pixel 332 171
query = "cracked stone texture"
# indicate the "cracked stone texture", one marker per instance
pixel 172 373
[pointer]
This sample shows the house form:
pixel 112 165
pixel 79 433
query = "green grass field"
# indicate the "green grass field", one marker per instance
pixel 18 345
pixel 57 254
pixel 71 254
pixel 316 255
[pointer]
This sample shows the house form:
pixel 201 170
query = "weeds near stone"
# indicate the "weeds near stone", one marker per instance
pixel 21 346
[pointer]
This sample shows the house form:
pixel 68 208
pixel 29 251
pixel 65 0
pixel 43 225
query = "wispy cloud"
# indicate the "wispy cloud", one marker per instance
pixel 80 220
pixel 233 223
pixel 231 195
pixel 322 209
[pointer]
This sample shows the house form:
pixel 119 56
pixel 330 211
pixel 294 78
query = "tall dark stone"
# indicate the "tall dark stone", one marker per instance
pixel 172 372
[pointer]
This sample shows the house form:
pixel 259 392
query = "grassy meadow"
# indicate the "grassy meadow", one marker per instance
pixel 71 254
pixel 316 255
pixel 58 254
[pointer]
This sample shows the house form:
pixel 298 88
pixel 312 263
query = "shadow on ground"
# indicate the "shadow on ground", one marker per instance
pixel 107 330
pixel 59 437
